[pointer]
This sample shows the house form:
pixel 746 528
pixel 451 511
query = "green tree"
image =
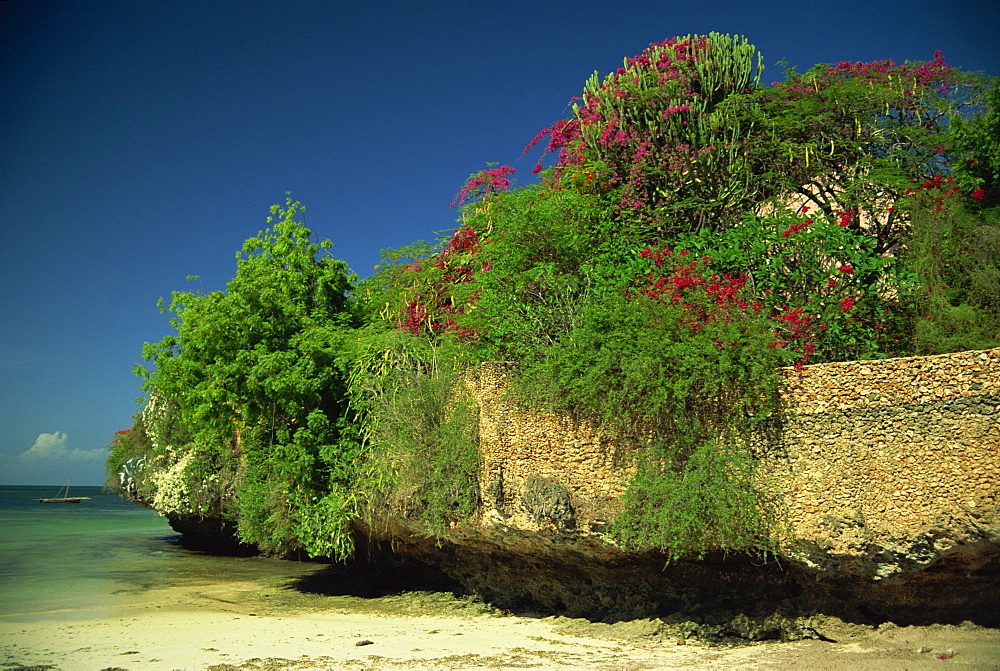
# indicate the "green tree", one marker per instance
pixel 976 149
pixel 546 250
pixel 259 374
pixel 954 250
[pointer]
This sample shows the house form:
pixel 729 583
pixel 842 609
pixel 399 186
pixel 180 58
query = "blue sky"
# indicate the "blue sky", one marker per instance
pixel 143 141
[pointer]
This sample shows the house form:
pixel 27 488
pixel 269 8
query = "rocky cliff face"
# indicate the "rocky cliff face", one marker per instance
pixel 890 472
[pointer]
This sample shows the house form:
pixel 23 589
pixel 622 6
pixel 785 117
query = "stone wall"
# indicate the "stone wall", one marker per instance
pixel 899 455
pixel 524 450
pixel 895 461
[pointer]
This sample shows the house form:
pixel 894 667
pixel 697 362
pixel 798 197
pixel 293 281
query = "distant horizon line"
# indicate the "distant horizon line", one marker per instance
pixel 53 484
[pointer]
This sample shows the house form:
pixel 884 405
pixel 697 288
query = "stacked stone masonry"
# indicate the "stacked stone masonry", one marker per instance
pixel 867 453
pixel 879 453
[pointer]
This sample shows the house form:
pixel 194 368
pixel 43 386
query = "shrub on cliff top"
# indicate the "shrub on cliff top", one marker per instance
pixel 258 375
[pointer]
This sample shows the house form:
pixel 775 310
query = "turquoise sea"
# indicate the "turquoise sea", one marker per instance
pixel 76 560
pixel 65 557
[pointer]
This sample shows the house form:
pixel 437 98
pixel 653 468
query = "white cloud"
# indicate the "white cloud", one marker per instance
pixel 54 447
pixel 50 461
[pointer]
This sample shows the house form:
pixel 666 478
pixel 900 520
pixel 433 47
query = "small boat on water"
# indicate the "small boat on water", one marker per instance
pixel 64 497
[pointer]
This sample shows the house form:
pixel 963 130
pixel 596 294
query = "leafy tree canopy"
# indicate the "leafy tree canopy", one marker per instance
pixel 258 372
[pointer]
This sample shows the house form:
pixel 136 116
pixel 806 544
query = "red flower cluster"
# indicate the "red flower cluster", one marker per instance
pixel 937 191
pixel 799 332
pixel 561 133
pixel 935 73
pixel 434 308
pixel 795 228
pixel 486 181
pixel 713 297
pixel 720 293
pixel 119 435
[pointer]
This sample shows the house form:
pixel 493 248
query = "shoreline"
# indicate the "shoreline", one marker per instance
pixel 244 625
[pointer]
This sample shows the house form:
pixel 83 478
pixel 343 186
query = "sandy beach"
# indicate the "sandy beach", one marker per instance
pixel 250 626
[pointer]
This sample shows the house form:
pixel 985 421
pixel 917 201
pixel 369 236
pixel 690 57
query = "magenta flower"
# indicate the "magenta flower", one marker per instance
pixel 486 181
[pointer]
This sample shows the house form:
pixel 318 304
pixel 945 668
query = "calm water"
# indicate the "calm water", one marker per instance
pixel 68 560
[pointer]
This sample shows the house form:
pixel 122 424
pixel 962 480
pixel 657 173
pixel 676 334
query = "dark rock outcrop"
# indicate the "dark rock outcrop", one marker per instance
pixel 575 575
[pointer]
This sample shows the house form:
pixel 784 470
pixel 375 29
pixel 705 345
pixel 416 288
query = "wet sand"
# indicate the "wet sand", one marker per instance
pixel 247 625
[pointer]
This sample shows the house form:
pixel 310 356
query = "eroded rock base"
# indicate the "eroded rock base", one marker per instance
pixel 719 598
pixel 715 598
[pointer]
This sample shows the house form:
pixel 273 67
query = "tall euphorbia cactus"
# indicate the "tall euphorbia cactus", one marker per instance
pixel 650 129
pixel 666 94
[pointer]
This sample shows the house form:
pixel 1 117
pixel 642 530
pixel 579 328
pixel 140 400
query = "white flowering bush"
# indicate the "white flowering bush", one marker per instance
pixel 171 487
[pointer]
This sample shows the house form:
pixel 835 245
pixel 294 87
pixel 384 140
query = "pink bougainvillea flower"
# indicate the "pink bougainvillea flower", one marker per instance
pixel 486 181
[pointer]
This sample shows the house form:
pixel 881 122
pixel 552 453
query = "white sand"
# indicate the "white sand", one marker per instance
pixel 172 638
pixel 186 629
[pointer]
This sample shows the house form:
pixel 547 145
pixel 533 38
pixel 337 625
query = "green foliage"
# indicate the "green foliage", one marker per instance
pixel 689 393
pixel 423 286
pixel 258 374
pixel 851 137
pixel 547 251
pixel 428 431
pixel 956 255
pixel 170 478
pixel 422 454
pixel 848 292
pixel 638 365
pixel 708 501
pixel 977 149
pixel 132 443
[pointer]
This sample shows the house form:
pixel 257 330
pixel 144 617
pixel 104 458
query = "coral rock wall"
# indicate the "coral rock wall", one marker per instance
pixel 895 460
pixel 525 451
pixel 895 454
